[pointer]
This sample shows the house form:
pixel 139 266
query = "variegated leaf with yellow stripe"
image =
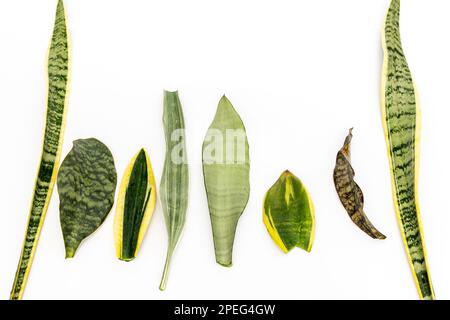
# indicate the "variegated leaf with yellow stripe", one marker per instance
pixel 135 206
pixel 288 214
pixel 58 72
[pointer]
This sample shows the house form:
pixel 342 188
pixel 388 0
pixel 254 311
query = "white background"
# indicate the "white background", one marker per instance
pixel 300 73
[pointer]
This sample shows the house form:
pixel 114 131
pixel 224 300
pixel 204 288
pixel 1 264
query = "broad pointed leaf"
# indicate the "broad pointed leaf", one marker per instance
pixel 289 214
pixel 226 167
pixel 86 185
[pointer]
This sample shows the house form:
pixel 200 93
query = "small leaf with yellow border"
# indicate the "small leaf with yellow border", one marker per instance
pixel 288 214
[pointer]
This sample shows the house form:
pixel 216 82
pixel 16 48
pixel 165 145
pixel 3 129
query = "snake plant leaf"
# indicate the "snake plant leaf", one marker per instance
pixel 135 206
pixel 226 167
pixel 58 79
pixel 288 214
pixel 86 186
pixel 175 177
pixel 401 121
pixel 349 192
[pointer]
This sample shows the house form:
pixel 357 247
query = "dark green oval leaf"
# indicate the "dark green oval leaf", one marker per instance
pixel 86 185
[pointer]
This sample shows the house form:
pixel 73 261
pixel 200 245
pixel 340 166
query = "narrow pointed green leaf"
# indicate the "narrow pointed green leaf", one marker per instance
pixel 289 214
pixel 135 205
pixel 226 167
pixel 175 178
pixel 58 79
pixel 86 186
pixel 401 121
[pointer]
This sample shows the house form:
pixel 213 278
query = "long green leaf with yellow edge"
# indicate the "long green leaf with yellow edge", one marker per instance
pixel 226 167
pixel 288 214
pixel 58 80
pixel 135 206
pixel 401 120
pixel 175 178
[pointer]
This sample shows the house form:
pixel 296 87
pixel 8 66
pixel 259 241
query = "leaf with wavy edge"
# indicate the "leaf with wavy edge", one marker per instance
pixel 349 192
pixel 86 186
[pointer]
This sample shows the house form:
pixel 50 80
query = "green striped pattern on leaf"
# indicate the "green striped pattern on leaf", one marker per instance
pixel 86 186
pixel 289 214
pixel 58 73
pixel 226 167
pixel 401 123
pixel 175 178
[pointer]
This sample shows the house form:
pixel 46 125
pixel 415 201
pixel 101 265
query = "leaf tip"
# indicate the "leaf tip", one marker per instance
pixel 286 173
pixel 284 249
pixel 378 235
pixel 142 151
pixel 224 99
pixel 70 253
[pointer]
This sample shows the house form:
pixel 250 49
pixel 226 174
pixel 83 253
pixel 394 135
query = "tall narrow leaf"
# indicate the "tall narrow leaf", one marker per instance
pixel 135 205
pixel 175 177
pixel 58 74
pixel 401 122
pixel 226 167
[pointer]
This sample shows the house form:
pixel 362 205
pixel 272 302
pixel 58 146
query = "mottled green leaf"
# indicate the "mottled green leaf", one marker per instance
pixel 289 214
pixel 175 178
pixel 401 120
pixel 86 186
pixel 226 167
pixel 135 206
pixel 349 192
pixel 58 80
